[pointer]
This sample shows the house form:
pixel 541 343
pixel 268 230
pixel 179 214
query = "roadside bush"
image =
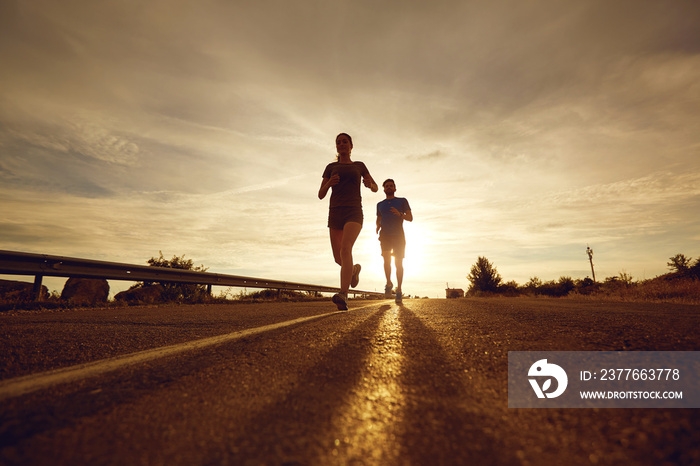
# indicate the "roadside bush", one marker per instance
pixel 683 290
pixel 617 284
pixel 180 292
pixel 533 285
pixel 681 285
pixel 586 286
pixel 154 292
pixel 509 289
pixel 284 295
pixel 556 288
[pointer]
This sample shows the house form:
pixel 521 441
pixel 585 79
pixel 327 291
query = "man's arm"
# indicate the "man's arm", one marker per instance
pixel 407 214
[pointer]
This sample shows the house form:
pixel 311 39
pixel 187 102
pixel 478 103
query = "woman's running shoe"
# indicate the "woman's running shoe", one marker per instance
pixel 340 301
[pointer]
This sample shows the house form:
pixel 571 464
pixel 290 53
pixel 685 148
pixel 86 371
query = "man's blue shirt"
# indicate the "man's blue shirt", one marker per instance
pixel 392 224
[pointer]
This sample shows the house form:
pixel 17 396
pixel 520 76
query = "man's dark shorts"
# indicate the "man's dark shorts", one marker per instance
pixel 393 244
pixel 339 216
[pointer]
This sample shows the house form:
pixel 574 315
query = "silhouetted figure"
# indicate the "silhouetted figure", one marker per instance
pixel 345 212
pixel 391 212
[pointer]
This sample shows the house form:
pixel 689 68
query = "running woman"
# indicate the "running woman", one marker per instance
pixel 345 212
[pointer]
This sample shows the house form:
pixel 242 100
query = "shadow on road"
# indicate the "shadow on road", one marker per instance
pixel 440 425
pixel 300 426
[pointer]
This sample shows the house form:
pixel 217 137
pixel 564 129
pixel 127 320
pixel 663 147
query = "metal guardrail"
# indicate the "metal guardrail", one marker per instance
pixel 44 265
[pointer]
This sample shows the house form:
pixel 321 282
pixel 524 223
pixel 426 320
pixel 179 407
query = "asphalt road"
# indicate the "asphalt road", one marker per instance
pixel 423 383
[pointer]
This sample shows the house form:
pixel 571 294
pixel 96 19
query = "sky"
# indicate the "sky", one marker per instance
pixel 521 131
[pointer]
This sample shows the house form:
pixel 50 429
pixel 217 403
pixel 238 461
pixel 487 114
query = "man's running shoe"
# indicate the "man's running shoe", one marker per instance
pixel 355 275
pixel 399 297
pixel 387 290
pixel 340 301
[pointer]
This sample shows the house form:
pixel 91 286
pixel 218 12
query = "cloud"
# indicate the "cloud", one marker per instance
pixel 432 156
pixel 80 136
pixel 624 209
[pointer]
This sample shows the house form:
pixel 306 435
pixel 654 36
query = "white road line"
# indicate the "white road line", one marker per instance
pixel 30 383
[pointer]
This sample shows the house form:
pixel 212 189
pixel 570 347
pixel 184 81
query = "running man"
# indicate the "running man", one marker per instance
pixel 391 212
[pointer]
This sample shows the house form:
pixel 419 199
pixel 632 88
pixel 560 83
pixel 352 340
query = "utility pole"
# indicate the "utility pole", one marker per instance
pixel 590 258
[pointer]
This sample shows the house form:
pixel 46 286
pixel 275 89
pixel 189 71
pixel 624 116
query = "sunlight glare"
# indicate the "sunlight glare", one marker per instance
pixel 419 242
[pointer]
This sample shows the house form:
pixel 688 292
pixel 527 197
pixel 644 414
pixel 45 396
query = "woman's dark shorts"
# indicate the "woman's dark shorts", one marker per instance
pixel 339 216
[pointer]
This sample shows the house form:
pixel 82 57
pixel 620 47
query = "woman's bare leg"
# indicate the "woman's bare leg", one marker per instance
pixel 336 242
pixel 350 233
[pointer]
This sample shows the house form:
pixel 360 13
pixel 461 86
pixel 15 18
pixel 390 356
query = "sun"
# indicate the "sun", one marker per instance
pixel 417 264
pixel 419 241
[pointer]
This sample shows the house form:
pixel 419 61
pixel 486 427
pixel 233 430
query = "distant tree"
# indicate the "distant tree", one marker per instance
pixel 679 263
pixel 695 269
pixel 484 276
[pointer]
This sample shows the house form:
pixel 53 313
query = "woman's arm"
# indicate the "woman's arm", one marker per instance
pixel 369 182
pixel 326 184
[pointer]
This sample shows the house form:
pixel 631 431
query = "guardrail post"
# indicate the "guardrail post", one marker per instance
pixel 37 290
